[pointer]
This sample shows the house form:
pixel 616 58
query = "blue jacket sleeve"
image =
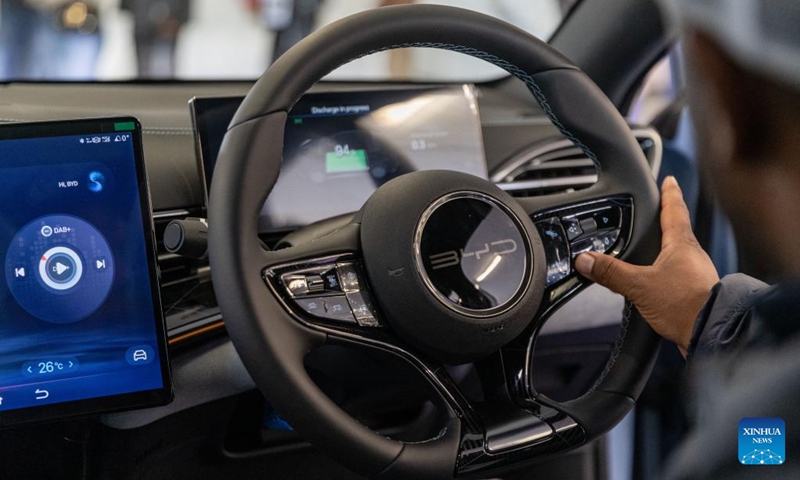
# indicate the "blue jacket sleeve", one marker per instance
pixel 725 322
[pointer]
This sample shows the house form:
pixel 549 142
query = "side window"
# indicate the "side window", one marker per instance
pixel 657 93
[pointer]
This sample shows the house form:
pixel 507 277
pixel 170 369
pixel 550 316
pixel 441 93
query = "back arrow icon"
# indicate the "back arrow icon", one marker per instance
pixel 41 394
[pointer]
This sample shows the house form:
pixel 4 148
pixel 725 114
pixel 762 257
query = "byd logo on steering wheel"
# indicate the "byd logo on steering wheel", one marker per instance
pixel 455 257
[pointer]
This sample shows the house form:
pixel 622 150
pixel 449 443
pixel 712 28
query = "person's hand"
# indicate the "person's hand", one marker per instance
pixel 670 293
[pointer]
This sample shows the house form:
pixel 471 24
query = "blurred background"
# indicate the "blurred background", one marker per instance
pixel 158 40
pixel 217 39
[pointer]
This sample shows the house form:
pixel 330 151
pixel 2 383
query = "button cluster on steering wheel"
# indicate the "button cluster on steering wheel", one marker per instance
pixel 596 227
pixel 331 291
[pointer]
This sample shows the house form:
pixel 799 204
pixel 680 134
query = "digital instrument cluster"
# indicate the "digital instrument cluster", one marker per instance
pixel 339 147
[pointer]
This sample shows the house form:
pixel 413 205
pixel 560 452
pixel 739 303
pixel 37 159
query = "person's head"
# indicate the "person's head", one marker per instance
pixel 743 64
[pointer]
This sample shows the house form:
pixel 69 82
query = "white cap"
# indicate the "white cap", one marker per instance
pixel 763 35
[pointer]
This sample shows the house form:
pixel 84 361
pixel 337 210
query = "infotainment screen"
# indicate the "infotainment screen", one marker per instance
pixel 81 326
pixel 339 147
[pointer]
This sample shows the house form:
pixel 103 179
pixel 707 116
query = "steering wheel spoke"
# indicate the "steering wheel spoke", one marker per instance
pixel 508 426
pixel 504 428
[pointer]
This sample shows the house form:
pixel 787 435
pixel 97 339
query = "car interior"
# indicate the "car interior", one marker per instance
pixel 306 274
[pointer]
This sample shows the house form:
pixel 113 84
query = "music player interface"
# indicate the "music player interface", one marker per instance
pixel 76 309
pixel 71 268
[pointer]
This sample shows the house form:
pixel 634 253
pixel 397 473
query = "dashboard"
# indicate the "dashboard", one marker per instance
pixel 491 130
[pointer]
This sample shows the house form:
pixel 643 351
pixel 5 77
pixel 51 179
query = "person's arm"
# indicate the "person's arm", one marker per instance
pixel 671 293
pixel 724 321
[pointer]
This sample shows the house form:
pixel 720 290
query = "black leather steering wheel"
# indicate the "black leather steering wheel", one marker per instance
pixel 411 274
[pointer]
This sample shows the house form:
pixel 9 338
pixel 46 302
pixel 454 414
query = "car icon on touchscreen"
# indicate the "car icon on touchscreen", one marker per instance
pixel 140 355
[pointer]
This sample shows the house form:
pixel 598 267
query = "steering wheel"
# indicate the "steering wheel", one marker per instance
pixel 437 267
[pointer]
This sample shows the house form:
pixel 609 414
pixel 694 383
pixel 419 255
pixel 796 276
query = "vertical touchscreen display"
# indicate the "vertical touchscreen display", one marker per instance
pixel 80 319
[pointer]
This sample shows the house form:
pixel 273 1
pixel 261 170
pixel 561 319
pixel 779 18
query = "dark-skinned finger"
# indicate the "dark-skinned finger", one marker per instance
pixel 676 225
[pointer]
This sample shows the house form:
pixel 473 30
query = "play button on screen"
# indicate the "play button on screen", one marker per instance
pixel 60 268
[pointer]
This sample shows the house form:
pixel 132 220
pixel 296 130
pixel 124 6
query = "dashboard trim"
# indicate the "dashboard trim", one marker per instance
pixel 160 215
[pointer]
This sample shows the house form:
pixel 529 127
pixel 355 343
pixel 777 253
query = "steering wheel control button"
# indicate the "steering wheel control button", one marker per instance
pixel 337 308
pixel 348 277
pixel 608 218
pixel 297 285
pixel 573 228
pixel 315 284
pixel 588 225
pixel 334 308
pixel 331 281
pixel 602 242
pixel 362 308
pixel 350 281
pixel 313 306
pixel 556 248
pixel 59 268
pixel 473 254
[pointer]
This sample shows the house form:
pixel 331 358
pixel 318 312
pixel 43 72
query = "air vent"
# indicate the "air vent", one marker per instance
pixel 557 166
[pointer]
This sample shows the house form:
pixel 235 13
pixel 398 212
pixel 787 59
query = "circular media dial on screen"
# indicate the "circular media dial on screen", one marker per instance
pixel 59 268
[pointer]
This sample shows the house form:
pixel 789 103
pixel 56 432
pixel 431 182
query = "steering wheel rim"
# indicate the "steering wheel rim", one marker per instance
pixel 271 340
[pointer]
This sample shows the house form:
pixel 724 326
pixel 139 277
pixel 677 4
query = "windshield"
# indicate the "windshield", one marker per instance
pixel 109 40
